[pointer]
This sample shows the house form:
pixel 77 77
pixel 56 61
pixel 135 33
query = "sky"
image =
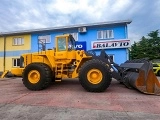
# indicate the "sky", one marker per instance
pixel 16 15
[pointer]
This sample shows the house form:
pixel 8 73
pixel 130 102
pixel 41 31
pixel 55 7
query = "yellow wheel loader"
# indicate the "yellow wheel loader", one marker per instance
pixel 95 73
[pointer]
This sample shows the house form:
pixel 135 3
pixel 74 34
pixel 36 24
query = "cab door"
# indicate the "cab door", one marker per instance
pixel 61 47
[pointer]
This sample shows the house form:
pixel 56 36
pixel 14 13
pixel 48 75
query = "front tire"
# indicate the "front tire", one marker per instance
pixel 37 76
pixel 94 76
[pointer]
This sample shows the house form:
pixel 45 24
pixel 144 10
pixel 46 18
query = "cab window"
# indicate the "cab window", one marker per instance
pixel 62 44
pixel 71 43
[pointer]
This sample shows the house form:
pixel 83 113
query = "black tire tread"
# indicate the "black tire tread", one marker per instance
pixel 45 83
pixel 107 75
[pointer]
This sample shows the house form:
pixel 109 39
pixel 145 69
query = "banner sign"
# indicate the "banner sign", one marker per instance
pixel 110 44
pixel 80 45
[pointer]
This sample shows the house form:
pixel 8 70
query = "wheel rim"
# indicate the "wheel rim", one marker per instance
pixel 94 76
pixel 34 76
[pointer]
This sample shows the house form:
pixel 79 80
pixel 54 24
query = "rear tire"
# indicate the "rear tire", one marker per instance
pixel 37 76
pixel 94 76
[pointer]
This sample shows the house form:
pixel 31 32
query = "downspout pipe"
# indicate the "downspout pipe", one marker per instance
pixel 126 35
pixel 4 55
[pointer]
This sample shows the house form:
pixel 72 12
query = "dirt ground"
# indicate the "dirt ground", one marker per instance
pixel 67 100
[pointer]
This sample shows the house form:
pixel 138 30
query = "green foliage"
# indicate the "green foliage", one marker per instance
pixel 147 47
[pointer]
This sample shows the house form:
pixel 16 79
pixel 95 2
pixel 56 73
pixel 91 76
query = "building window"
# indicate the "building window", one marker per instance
pixel 100 35
pixel 15 62
pixel 18 41
pixel 105 34
pixel 44 39
pixel 75 36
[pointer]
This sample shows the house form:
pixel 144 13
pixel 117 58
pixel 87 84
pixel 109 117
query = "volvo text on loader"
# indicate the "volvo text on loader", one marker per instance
pixel 95 73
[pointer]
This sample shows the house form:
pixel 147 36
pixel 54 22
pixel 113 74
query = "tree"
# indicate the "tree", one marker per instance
pixel 147 47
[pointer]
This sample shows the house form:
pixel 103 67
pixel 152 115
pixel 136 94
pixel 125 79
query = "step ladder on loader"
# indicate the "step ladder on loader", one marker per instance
pixel 59 69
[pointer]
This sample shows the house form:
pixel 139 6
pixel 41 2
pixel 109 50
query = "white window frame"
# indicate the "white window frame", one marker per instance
pixel 44 39
pixel 105 34
pixel 15 59
pixel 110 35
pixel 18 41
pixel 100 35
pixel 75 35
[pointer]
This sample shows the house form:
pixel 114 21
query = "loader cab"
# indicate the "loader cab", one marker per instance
pixel 65 46
pixel 65 43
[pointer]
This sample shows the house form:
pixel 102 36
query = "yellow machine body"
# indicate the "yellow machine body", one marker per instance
pixel 57 59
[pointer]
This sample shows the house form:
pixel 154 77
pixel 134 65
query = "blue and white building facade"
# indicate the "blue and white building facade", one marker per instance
pixel 110 36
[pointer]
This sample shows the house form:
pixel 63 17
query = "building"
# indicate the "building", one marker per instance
pixel 111 36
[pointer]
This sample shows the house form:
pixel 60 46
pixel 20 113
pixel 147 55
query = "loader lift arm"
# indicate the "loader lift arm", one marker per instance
pixel 112 66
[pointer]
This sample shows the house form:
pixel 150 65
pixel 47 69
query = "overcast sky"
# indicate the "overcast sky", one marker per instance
pixel 31 14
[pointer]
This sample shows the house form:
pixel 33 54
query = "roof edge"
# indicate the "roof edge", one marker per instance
pixel 65 27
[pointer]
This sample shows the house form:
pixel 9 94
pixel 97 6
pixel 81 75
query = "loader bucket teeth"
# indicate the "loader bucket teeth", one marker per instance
pixel 139 74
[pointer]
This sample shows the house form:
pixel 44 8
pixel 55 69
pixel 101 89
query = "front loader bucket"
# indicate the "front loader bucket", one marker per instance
pixel 139 75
